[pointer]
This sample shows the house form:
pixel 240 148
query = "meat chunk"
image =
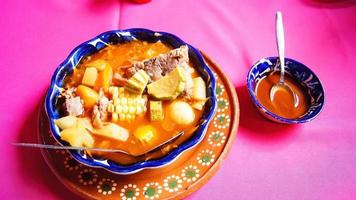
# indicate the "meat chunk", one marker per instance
pixel 67 93
pixel 152 67
pixel 103 104
pixel 161 65
pixel 74 106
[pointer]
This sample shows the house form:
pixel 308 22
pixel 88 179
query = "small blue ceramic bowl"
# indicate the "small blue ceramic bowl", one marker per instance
pixel 121 36
pixel 301 74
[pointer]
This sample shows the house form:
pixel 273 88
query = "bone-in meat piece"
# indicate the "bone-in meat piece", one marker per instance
pixel 161 65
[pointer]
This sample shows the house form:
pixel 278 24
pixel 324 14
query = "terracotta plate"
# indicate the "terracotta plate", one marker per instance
pixel 175 181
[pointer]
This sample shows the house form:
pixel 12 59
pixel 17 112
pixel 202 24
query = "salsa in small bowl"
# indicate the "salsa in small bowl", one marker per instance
pixel 304 83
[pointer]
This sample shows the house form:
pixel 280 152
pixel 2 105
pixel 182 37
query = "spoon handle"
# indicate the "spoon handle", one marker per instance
pixel 49 146
pixel 280 43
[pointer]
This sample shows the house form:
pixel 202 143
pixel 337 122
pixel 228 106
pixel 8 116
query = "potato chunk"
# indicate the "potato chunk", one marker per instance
pixel 85 123
pixel 66 122
pixel 199 89
pixel 88 140
pixel 72 136
pixel 181 113
pixel 199 105
pixel 89 96
pixel 90 76
pixel 113 131
pixel 104 77
pixel 100 64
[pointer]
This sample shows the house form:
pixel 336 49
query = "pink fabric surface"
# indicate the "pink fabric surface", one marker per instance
pixel 316 160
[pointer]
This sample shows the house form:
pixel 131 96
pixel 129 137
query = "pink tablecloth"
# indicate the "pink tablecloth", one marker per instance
pixel 316 160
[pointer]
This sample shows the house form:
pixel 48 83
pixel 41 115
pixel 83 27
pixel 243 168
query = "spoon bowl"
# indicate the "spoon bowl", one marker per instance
pixel 283 87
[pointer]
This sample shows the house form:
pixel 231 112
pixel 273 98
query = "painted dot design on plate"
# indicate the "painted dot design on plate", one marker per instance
pixel 61 151
pixel 152 190
pixel 106 186
pixel 87 176
pixel 172 183
pixel 216 138
pixel 206 157
pixel 219 89
pixel 216 76
pixel 129 192
pixel 71 164
pixel 190 173
pixel 223 104
pixel 221 121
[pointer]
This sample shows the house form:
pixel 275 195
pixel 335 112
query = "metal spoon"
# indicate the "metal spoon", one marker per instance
pixel 281 85
pixel 48 146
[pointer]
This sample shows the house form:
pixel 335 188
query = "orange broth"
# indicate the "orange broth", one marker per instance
pixel 123 55
pixel 283 104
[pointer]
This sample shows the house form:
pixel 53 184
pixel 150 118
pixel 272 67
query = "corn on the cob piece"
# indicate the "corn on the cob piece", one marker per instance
pixel 114 91
pixel 124 105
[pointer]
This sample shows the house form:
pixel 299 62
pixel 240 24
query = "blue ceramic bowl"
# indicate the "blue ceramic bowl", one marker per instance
pixel 301 74
pixel 120 36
